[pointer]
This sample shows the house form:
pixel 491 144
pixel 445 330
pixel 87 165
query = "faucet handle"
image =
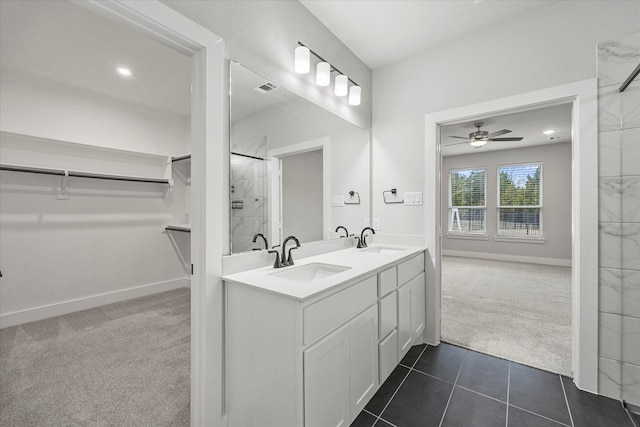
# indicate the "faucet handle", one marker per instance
pixel 289 258
pixel 277 263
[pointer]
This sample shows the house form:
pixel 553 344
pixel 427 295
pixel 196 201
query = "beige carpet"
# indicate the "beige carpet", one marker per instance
pixel 123 364
pixel 516 311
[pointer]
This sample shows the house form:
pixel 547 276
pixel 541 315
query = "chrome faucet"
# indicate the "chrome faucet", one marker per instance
pixel 288 260
pixel 362 240
pixel 345 230
pixel 264 239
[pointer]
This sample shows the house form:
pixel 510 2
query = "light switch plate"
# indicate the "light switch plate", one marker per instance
pixel 413 198
pixel 337 201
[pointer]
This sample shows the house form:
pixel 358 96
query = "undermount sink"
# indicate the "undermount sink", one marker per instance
pixel 383 250
pixel 309 272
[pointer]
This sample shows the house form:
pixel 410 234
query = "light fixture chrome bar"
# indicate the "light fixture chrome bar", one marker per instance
pixel 627 82
pixel 324 60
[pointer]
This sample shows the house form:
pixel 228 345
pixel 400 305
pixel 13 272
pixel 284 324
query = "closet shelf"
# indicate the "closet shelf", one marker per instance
pixel 179 227
pixel 81 174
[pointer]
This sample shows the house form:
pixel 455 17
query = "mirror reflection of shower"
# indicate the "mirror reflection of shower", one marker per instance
pixel 249 181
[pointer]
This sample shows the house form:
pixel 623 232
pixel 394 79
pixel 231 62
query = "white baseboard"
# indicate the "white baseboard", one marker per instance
pixel 85 303
pixel 505 257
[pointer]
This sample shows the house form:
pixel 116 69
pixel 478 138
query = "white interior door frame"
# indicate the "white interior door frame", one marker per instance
pixel 584 215
pixel 210 183
pixel 275 185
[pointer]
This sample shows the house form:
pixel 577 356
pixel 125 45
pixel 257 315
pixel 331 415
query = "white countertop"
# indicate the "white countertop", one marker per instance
pixel 361 264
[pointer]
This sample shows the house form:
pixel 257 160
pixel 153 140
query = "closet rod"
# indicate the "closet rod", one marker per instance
pixel 177 228
pixel 632 76
pixel 183 157
pixel 28 169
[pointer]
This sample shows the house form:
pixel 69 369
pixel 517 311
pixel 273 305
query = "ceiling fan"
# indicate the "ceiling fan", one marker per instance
pixel 480 137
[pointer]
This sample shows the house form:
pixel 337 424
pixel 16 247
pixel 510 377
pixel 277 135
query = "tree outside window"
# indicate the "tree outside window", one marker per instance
pixel 467 205
pixel 520 200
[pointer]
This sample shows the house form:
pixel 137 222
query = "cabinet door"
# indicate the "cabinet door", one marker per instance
pixel 326 382
pixel 363 356
pixel 417 306
pixel 404 320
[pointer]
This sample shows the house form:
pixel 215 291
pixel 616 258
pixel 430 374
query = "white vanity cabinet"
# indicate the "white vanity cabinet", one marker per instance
pixel 341 372
pixel 316 361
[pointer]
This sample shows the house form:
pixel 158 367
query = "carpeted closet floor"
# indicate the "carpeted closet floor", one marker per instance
pixel 515 311
pixel 123 364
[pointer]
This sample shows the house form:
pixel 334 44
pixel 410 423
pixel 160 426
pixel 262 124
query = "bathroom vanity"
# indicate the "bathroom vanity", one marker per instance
pixel 310 344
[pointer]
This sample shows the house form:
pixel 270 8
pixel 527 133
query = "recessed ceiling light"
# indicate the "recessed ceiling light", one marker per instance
pixel 549 132
pixel 125 72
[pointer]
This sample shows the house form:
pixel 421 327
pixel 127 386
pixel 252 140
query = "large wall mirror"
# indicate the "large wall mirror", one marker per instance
pixel 296 169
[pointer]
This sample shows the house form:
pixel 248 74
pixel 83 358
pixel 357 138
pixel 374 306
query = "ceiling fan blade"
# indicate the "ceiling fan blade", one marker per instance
pixel 459 137
pixel 515 138
pixel 453 144
pixel 498 133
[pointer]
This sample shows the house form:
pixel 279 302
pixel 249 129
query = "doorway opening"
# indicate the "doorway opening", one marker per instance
pixel 506 241
pixel 584 203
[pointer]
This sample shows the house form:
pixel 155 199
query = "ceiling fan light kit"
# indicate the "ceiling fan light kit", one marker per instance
pixel 481 137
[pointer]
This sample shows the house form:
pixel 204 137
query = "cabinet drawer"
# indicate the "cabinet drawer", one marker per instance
pixel 388 355
pixel 387 281
pixel 326 315
pixel 410 269
pixel 388 314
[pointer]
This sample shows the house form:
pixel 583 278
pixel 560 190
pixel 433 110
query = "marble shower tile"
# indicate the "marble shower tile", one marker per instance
pixel 609 148
pixel 631 383
pixel 630 186
pixel 609 245
pixel 609 336
pixel 631 106
pixel 630 293
pixel 610 290
pixel 631 246
pixel 630 151
pixel 631 340
pixel 617 59
pixel 609 109
pixel 609 199
pixel 609 378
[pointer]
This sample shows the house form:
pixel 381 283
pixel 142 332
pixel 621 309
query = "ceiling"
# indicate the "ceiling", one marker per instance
pixel 527 124
pixel 63 42
pixel 383 32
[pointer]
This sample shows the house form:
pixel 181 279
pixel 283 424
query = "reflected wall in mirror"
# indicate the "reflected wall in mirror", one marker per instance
pixel 296 169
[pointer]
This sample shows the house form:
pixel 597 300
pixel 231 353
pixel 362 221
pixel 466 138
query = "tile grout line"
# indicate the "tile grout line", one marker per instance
pixel 400 385
pixel 541 416
pixel 566 400
pixel 506 423
pixel 452 390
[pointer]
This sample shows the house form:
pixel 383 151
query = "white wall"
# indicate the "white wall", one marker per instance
pixel 39 107
pixel 556 160
pixel 262 36
pixel 545 48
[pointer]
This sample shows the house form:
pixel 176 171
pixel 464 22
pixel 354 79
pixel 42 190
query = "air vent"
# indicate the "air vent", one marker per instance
pixel 267 87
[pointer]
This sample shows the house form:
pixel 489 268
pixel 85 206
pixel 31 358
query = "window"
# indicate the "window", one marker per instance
pixel 520 200
pixel 467 206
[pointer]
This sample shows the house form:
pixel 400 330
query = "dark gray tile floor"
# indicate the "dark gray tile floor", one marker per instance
pixel 449 386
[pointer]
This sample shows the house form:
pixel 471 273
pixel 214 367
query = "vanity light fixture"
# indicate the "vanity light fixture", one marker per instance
pixel 342 85
pixel 324 69
pixel 323 74
pixel 302 60
pixel 549 132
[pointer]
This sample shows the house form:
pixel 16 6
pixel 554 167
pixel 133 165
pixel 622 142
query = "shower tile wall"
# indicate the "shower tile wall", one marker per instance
pixel 619 219
pixel 249 180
